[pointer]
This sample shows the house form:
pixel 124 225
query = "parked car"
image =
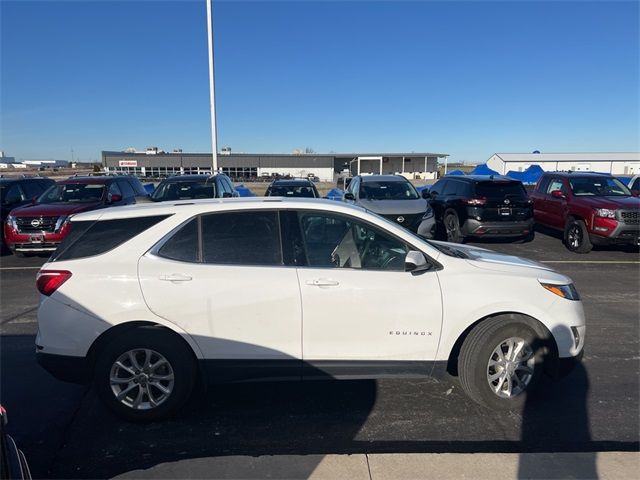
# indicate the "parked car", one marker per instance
pixel 193 187
pixel 292 188
pixel 13 464
pixel 394 198
pixel 248 289
pixel 634 186
pixel 41 226
pixel 18 191
pixel 589 208
pixel 481 206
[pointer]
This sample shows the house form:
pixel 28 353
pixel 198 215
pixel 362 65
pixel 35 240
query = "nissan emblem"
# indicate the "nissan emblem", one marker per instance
pixel 400 219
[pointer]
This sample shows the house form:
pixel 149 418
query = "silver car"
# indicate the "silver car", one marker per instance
pixel 396 199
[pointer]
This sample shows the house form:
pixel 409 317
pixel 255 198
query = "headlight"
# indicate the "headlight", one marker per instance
pixel 11 220
pixel 565 291
pixel 428 213
pixel 605 213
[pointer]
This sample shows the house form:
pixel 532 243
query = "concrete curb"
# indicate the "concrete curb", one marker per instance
pixel 398 466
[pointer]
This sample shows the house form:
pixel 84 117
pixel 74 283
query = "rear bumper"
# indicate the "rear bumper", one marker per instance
pixel 480 228
pixel 65 368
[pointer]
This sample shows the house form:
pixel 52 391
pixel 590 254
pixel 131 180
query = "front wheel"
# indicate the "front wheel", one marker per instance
pixel 500 362
pixel 145 374
pixel 576 236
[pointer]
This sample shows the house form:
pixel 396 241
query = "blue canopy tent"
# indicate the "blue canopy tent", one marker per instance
pixel 334 194
pixel 455 172
pixel 244 191
pixel 482 169
pixel 529 177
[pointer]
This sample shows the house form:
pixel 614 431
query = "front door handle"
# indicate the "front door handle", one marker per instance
pixel 175 277
pixel 323 282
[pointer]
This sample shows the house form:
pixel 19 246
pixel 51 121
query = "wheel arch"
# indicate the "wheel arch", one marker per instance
pixel 117 330
pixel 540 328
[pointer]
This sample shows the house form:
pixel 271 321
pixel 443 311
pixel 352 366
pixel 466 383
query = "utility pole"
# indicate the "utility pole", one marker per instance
pixel 212 91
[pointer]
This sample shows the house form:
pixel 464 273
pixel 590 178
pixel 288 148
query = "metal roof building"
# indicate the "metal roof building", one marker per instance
pixel 614 163
pixel 247 166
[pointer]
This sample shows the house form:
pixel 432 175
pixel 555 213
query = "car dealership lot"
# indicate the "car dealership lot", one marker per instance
pixel 66 432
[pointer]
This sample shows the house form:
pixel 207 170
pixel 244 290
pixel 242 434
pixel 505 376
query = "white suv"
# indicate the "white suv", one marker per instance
pixel 147 299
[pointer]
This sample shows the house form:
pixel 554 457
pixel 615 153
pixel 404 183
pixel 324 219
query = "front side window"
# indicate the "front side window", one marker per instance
pixel 388 191
pixel 241 238
pixel 73 193
pixel 13 194
pixel 555 184
pixel 598 187
pixel 335 241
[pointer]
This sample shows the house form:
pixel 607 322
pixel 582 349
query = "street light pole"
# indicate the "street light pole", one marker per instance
pixel 212 91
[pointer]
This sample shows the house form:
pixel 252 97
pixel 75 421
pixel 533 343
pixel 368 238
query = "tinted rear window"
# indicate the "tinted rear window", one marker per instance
pixel 90 238
pixel 500 189
pixel 183 245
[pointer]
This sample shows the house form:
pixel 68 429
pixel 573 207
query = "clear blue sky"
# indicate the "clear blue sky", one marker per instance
pixel 465 78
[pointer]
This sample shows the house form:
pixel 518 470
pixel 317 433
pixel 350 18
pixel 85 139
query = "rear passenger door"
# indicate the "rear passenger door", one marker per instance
pixel 221 278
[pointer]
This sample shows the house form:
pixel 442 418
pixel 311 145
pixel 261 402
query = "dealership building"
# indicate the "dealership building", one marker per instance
pixel 248 166
pixel 613 163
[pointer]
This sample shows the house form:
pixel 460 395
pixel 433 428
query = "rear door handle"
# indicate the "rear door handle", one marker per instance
pixel 175 277
pixel 323 282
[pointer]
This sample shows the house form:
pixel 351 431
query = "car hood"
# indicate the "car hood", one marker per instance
pixel 393 207
pixel 613 203
pixel 512 264
pixel 54 209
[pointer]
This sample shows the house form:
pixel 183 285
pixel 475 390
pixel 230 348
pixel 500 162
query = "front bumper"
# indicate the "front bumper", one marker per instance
pixel 479 228
pixel 622 235
pixel 32 242
pixel 65 368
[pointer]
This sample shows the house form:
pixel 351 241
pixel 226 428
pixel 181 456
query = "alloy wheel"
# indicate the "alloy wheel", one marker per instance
pixel 574 236
pixel 141 379
pixel 510 367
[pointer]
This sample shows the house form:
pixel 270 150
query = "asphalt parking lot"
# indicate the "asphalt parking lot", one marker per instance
pixel 66 432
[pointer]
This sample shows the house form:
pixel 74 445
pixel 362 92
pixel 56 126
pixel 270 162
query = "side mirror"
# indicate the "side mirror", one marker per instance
pixel 415 262
pixel 425 194
pixel 349 196
pixel 114 197
pixel 227 195
pixel 558 194
pixel 34 200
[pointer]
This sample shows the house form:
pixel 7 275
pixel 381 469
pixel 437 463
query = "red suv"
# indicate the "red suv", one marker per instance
pixel 41 226
pixel 590 208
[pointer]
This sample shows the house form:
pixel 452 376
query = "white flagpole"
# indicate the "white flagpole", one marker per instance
pixel 212 91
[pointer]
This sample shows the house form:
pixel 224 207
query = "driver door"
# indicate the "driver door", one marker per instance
pixel 363 314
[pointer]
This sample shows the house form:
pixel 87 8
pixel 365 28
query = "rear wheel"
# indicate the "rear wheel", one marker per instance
pixel 452 228
pixel 145 374
pixel 501 362
pixel 576 236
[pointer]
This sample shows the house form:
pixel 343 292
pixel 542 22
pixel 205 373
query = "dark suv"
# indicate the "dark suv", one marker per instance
pixel 193 187
pixel 41 226
pixel 589 208
pixel 18 191
pixel 292 188
pixel 481 206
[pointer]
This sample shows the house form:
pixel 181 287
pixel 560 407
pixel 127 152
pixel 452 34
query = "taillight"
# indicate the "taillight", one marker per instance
pixel 476 201
pixel 48 281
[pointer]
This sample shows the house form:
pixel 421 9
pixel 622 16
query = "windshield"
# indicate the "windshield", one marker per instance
pixel 291 191
pixel 388 191
pixel 190 190
pixel 73 193
pixel 598 187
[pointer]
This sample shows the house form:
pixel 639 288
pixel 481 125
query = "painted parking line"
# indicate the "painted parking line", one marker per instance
pixel 606 262
pixel 20 268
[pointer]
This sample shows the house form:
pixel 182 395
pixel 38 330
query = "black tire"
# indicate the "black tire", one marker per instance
pixel 576 236
pixel 182 366
pixel 452 227
pixel 477 350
